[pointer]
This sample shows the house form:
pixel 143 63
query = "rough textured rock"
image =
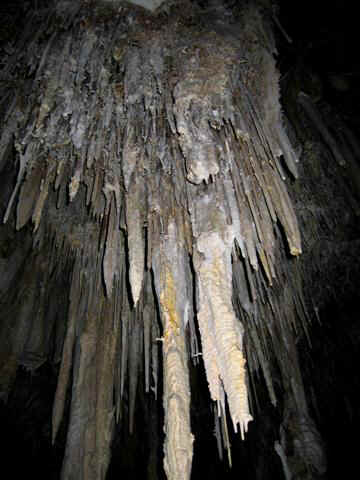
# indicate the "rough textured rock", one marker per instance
pixel 153 195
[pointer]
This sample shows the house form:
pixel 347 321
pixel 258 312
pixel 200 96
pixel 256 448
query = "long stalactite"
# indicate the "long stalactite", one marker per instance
pixel 152 169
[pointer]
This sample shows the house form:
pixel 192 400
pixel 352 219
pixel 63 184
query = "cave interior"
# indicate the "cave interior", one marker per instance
pixel 110 308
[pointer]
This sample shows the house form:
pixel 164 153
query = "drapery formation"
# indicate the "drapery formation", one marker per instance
pixel 152 163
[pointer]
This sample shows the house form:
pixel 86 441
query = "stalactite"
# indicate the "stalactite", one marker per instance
pixel 135 354
pixel 315 117
pixel 220 330
pixel 170 282
pixel 22 166
pixel 112 248
pixel 136 242
pixel 152 152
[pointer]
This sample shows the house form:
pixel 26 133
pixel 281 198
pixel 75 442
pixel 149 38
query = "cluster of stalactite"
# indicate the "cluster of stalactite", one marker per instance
pixel 152 165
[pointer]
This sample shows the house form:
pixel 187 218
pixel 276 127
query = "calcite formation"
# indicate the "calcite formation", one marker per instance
pixel 152 168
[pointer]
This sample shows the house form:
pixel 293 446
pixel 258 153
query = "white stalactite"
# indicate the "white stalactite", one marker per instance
pixel 171 273
pixel 221 332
